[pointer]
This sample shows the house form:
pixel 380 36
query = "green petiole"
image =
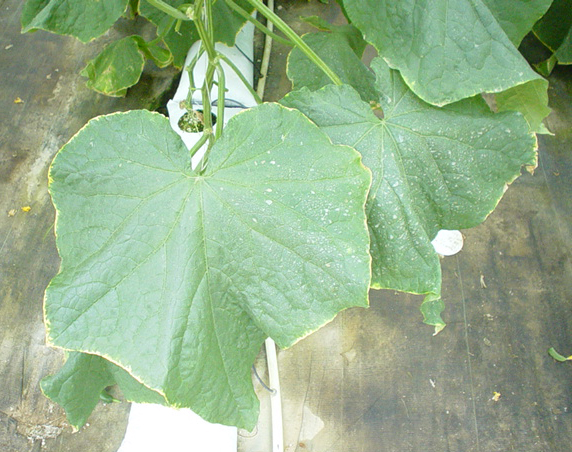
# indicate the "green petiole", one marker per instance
pixel 241 77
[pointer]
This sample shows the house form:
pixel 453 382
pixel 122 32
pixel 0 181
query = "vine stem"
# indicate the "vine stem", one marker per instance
pixel 220 101
pixel 190 70
pixel 297 40
pixel 265 57
pixel 163 33
pixel 207 40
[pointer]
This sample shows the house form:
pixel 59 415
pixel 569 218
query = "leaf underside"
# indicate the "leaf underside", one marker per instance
pixel 433 168
pixel 179 277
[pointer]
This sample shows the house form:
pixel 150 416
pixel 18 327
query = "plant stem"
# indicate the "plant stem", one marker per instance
pixel 265 56
pixel 209 20
pixel 164 32
pixel 241 77
pixel 297 40
pixel 199 144
pixel 207 41
pixel 168 9
pixel 190 70
pixel 220 102
pixel 204 36
pixel 257 24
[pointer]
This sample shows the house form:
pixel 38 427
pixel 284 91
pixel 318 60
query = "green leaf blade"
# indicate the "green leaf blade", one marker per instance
pixel 118 67
pixel 555 27
pixel 83 19
pixel 530 99
pixel 555 30
pixel 79 383
pixel 433 168
pixel 179 277
pixel 341 50
pixel 445 51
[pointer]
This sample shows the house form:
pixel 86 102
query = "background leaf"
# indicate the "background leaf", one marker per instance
pixel 341 49
pixel 227 24
pixel 118 67
pixel 433 168
pixel 179 276
pixel 446 51
pixel 517 17
pixel 530 99
pixel 83 19
pixel 555 30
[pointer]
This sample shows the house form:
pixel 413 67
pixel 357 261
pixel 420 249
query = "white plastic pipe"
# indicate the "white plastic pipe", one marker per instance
pixel 275 398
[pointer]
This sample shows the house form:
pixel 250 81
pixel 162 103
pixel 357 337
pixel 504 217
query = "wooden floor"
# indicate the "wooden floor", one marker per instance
pixel 373 380
pixel 43 71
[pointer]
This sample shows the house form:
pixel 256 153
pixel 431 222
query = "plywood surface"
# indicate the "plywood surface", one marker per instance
pixel 42 71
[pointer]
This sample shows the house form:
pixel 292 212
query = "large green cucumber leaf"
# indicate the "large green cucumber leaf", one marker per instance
pixel 79 383
pixel 84 19
pixel 226 26
pixel 445 50
pixel 341 49
pixel 555 30
pixel 177 276
pixel 530 99
pixel 433 168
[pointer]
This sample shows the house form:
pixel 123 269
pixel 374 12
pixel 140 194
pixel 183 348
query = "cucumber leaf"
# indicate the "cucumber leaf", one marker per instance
pixel 178 41
pixel 546 67
pixel 83 19
pixel 446 51
pixel 352 34
pixel 79 383
pixel 179 276
pixel 433 168
pixel 118 67
pixel 531 99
